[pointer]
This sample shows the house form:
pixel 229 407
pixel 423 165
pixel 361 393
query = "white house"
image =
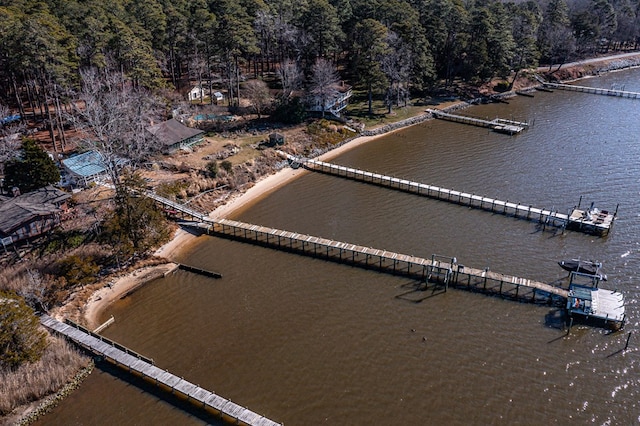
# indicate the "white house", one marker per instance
pixel 333 105
pixel 197 93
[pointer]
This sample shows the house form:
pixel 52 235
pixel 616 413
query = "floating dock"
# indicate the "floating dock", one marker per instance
pixel 592 221
pixel 592 90
pixel 136 363
pixel 499 125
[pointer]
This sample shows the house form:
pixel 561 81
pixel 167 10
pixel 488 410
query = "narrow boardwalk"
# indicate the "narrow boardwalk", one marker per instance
pixel 596 224
pixel 439 269
pixel 593 90
pixel 500 125
pixel 133 362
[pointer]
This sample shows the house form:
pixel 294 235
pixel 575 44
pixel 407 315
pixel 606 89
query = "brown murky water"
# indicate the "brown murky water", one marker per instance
pixel 307 342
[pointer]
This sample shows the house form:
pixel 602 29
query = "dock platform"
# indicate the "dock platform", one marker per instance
pixel 499 125
pixel 592 221
pixel 136 363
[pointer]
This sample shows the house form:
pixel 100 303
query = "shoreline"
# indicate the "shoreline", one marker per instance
pixel 124 285
pixel 100 299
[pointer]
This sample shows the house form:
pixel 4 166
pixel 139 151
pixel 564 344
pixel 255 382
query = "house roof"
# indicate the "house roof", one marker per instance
pixel 17 211
pixel 89 163
pixel 171 132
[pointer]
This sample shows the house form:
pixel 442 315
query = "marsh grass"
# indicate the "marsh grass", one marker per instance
pixel 30 382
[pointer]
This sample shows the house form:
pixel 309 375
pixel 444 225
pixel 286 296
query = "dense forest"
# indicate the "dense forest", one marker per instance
pixel 388 47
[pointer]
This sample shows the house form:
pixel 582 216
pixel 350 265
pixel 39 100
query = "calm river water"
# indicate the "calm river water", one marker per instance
pixel 308 342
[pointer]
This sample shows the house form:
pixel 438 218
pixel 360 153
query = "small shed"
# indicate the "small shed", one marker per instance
pixel 218 97
pixel 276 139
pixel 172 135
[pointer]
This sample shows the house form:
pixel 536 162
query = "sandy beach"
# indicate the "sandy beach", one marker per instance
pixel 118 288
pixel 121 287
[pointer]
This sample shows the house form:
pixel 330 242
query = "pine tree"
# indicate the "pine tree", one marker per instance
pixel 32 170
pixel 21 339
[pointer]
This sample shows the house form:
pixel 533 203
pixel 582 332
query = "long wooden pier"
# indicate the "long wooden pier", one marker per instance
pixel 447 272
pixel 136 363
pixel 598 223
pixel 500 125
pixel 593 90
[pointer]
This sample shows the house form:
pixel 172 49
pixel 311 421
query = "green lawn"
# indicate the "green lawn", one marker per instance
pixel 358 109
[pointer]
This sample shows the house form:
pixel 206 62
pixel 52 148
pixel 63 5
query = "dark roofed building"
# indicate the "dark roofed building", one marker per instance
pixel 173 135
pixel 31 214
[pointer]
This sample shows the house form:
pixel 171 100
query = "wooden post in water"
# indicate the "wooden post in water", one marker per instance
pixel 627 344
pixel 570 325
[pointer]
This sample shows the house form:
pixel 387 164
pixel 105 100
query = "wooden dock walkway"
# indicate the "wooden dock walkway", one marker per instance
pixel 135 363
pixel 435 270
pixel 592 90
pixel 500 125
pixel 575 220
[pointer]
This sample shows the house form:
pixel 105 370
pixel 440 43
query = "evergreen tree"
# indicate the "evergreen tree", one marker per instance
pixel 32 170
pixel 21 339
pixel 136 225
pixel 370 45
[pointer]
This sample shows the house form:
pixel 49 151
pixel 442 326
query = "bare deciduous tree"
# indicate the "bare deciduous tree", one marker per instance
pixel 258 94
pixel 112 117
pixel 324 83
pixel 290 77
pixel 10 140
pixel 396 65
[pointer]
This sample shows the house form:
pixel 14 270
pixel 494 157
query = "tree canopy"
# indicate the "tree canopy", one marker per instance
pixel 47 43
pixel 31 169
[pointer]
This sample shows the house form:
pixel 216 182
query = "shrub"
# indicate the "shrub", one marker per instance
pixel 21 338
pixel 172 190
pixel 212 169
pixel 78 270
pixel 291 112
pixel 227 166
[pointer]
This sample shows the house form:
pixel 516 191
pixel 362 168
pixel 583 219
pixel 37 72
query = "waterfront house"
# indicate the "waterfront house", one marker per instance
pixel 31 214
pixel 171 135
pixel 333 104
pixel 83 169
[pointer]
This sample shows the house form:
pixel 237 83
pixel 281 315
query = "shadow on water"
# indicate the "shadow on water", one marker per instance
pixel 420 291
pixel 556 318
pixel 163 396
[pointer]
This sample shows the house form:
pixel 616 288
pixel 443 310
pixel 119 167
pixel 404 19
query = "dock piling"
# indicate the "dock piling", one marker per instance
pixel 627 344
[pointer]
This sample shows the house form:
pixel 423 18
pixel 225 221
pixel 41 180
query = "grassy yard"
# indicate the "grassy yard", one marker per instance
pixel 358 109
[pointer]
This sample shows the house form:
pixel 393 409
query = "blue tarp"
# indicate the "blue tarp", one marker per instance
pixel 10 119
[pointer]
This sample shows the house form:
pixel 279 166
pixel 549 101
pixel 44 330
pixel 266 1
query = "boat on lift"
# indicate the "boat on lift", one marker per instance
pixel 584 267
